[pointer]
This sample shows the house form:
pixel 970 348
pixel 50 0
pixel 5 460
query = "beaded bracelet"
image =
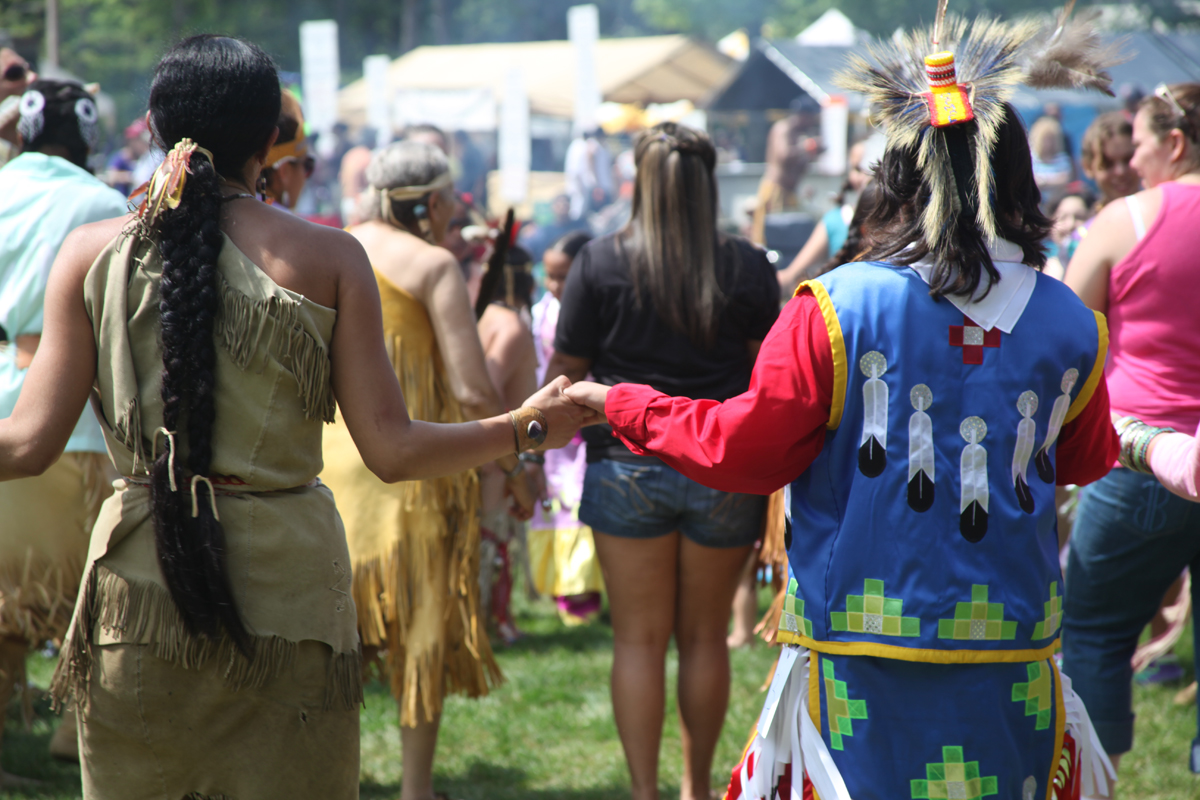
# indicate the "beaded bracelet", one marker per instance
pixel 1135 437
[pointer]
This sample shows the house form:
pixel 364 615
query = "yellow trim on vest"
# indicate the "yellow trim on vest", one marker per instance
pixel 1089 388
pixel 917 654
pixel 814 688
pixel 838 346
pixel 1060 727
pixel 814 701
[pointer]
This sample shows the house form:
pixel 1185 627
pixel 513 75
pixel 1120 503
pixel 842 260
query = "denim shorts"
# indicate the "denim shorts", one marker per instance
pixel 1131 540
pixel 647 500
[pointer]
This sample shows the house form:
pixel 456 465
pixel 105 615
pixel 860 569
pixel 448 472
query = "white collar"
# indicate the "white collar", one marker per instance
pixel 1005 303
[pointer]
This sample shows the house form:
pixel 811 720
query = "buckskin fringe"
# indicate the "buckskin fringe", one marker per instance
pixel 134 608
pixel 386 589
pixel 240 326
pixel 428 397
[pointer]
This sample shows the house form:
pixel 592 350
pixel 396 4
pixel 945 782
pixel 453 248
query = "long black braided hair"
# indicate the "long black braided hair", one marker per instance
pixel 222 93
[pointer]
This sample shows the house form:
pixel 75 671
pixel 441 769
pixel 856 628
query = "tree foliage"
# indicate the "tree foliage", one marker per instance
pixel 117 42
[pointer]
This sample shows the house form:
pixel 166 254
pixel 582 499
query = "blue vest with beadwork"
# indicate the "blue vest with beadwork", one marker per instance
pixel 926 528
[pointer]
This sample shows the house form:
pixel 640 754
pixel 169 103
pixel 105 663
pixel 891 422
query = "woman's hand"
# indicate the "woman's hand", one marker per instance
pixel 521 490
pixel 589 394
pixel 563 417
pixel 537 479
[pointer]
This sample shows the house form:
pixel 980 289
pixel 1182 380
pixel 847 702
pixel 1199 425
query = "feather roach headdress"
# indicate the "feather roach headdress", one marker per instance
pixel 925 85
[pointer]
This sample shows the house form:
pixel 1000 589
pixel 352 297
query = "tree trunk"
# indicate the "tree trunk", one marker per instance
pixel 409 32
pixel 437 15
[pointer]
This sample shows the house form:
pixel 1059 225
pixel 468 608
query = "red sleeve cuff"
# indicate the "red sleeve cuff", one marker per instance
pixel 625 406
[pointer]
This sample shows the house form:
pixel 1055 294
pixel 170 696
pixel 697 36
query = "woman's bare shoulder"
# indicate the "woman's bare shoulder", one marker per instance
pixel 84 245
pixel 96 235
pixel 407 261
pixel 312 242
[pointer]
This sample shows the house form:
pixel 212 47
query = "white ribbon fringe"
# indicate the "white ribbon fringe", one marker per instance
pixel 792 738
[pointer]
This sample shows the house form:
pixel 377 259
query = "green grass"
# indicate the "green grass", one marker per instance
pixel 548 731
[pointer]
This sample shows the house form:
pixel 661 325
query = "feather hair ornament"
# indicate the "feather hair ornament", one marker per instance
pixel 941 91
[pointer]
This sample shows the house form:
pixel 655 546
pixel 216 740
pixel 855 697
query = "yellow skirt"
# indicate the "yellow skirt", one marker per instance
pixel 564 561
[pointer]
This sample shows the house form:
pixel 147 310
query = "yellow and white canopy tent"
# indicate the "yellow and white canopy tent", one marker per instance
pixel 639 70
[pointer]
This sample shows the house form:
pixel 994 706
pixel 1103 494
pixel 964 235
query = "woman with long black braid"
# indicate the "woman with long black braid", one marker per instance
pixel 213 650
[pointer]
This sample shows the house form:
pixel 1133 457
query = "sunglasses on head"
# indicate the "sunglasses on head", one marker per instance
pixel 1163 92
pixel 15 72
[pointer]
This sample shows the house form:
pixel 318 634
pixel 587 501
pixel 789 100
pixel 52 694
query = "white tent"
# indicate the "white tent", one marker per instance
pixel 832 29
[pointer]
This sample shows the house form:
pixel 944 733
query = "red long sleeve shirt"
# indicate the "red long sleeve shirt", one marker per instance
pixel 763 439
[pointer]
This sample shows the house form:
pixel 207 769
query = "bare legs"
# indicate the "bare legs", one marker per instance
pixel 640 576
pixel 659 588
pixel 418 746
pixel 745 605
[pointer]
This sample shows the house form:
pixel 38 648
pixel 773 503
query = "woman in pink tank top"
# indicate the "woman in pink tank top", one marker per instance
pixel 1140 265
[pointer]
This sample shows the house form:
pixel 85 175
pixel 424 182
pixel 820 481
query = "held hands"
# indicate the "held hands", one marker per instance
pixel 564 414
pixel 589 394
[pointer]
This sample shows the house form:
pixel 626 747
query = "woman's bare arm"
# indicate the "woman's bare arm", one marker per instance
pixel 573 367
pixel 445 295
pixel 511 360
pixel 1109 238
pixel 59 381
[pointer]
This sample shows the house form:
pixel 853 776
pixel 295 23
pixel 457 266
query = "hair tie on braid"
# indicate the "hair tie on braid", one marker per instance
pixel 212 497
pixel 170 450
pixel 165 189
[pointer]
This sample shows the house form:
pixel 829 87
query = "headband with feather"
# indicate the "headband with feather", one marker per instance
pixel 924 85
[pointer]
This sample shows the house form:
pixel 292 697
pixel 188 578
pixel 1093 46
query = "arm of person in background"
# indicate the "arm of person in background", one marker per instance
pixel 445 295
pixel 512 368
pixel 1109 238
pixel 755 442
pixel 1175 459
pixel 814 253
pixel 573 367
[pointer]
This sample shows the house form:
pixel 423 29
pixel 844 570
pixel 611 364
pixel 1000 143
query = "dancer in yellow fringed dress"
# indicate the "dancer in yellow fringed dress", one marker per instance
pixel 415 546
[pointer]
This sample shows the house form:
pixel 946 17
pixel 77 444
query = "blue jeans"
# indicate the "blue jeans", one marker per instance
pixel 644 501
pixel 1131 540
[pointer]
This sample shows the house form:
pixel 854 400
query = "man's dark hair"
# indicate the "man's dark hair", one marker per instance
pixel 961 259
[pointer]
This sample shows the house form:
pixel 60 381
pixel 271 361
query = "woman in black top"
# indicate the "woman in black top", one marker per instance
pixel 669 302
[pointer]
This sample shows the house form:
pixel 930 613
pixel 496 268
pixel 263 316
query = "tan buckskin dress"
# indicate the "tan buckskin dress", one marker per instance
pixel 164 714
pixel 415 545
